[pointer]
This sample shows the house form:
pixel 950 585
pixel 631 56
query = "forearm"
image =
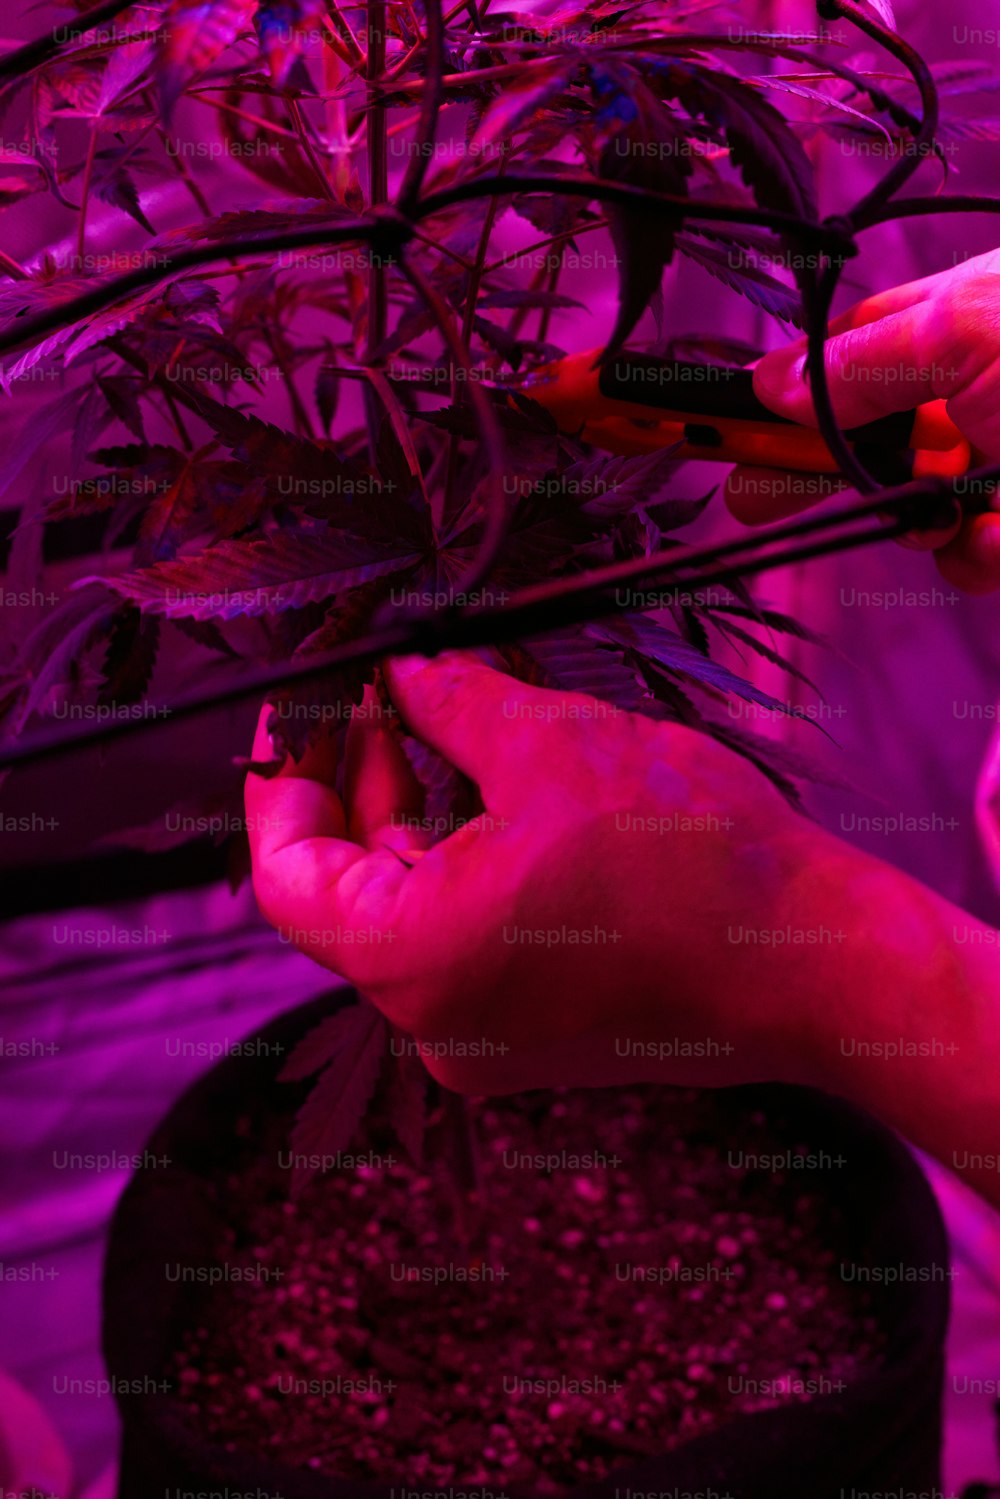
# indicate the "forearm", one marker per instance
pixel 906 1019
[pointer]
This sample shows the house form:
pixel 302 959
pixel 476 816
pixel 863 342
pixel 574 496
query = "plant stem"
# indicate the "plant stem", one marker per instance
pixel 546 312
pixel 184 437
pixel 33 54
pixel 378 194
pixel 310 150
pixel 170 141
pixel 338 150
pixel 303 422
pixel 541 244
pixel 337 26
pixel 13 268
pixel 466 1172
pixel 243 114
pixel 468 320
pixel 88 172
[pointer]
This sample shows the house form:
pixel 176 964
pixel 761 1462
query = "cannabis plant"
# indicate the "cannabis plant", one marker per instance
pixel 296 391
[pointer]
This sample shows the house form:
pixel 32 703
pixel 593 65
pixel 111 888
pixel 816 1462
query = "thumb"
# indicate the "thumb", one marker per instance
pixel 482 721
pixel 875 369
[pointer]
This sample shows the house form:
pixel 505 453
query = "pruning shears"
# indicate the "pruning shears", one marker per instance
pixel 633 403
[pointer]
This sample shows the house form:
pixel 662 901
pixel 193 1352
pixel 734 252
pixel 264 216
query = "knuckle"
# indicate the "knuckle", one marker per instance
pixel 959 333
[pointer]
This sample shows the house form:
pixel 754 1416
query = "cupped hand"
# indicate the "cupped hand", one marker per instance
pixel 938 337
pixel 622 910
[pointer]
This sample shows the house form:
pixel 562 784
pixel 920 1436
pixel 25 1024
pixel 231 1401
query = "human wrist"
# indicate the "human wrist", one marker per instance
pixel 903 1007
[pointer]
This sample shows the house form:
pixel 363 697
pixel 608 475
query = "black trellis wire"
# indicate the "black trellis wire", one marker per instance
pixel 577 597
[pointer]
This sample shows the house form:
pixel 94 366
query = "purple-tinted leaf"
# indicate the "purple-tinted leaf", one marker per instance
pixel 572 661
pixel 688 622
pixel 311 710
pixel 734 632
pixel 762 144
pixel 38 430
pixel 970 76
pixel 883 10
pixel 195 32
pixel 122 395
pixel 734 270
pixel 335 1036
pixel 283 27
pixel 104 324
pixel 117 188
pixel 783 765
pixel 91 420
pixel 672 515
pixel 608 486
pixel 520 100
pixel 72 89
pixel 283 571
pixel 126 68
pixel 510 349
pixel 405 1096
pixel 674 654
pixel 308 473
pixel 774 619
pixel 165 522
pixel 131 656
pixel 972 128
pixel 331 1116
pixel 646 146
pixel 551 215
pixel 349 616
pixel 527 297
pixel 206 634
pixel 236 503
pixel 327 391
pixel 244 223
pixel 854 117
pixel 413 324
pixel 53 654
pixel 449 797
pixel 213 816
pixel 518 414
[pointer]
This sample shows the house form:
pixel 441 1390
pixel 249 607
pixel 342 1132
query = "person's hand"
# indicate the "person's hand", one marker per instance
pixel 636 901
pixel 938 337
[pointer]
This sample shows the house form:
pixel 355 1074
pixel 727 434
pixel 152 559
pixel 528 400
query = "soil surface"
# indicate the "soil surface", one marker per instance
pixel 642 1283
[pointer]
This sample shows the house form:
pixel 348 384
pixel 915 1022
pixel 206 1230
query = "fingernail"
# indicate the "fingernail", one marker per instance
pixel 779 376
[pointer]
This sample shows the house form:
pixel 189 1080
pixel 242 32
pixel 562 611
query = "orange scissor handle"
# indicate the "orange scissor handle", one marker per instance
pixel 634 403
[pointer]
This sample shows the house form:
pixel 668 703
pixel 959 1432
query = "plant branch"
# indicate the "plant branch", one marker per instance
pixel 388 231
pixel 88 172
pixel 43 49
pixel 378 193
pixel 924 136
pixel 547 606
pixel 495 530
pixel 430 108
pixel 305 141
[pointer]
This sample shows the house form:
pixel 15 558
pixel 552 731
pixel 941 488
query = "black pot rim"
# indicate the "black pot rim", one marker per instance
pixel 909 1217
